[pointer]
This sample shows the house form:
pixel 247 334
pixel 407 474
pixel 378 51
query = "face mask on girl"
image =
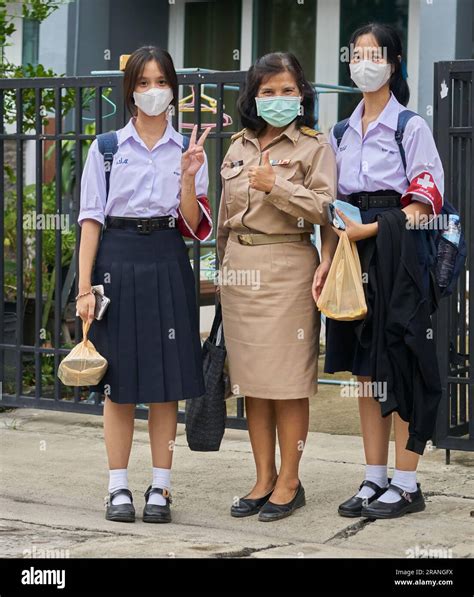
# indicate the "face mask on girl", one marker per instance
pixel 279 111
pixel 370 76
pixel 154 101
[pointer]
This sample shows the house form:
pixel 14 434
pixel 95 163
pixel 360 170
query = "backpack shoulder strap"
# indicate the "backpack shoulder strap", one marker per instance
pixel 108 145
pixel 339 130
pixel 403 118
pixel 185 143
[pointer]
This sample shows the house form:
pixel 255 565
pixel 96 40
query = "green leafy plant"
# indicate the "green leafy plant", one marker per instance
pixel 34 10
pixel 68 239
pixel 37 11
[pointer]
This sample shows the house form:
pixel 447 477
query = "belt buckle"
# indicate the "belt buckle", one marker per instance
pixel 144 226
pixel 245 239
pixel 364 201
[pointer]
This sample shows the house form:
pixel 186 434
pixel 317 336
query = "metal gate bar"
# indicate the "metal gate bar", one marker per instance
pixel 453 130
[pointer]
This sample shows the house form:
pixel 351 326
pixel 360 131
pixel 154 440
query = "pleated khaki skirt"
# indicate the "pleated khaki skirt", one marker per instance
pixel 149 334
pixel 271 323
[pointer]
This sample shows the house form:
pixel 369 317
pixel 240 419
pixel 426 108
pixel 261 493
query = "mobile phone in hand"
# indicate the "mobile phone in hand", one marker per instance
pixel 335 219
pixel 101 301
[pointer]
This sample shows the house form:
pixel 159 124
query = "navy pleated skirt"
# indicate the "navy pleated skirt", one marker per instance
pixel 344 352
pixel 149 333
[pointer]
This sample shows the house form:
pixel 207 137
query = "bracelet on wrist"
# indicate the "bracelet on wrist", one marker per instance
pixel 84 294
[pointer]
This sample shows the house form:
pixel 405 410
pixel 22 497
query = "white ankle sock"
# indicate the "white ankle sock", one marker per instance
pixel 118 478
pixel 377 473
pixel 161 478
pixel 405 480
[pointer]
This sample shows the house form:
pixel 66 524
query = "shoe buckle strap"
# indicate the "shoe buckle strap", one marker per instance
pixel 405 494
pixel 371 484
pixel 166 494
pixel 161 490
pixel 111 496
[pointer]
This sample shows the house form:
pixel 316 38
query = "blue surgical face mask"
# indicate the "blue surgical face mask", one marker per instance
pixel 278 110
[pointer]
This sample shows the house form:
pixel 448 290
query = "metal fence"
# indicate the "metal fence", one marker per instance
pixel 454 130
pixel 29 356
pixel 59 112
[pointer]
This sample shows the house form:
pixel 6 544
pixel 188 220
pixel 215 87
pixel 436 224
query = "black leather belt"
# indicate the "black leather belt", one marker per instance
pixel 375 199
pixel 141 225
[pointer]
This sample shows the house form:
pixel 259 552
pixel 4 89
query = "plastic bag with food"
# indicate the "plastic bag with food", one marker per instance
pixel 83 366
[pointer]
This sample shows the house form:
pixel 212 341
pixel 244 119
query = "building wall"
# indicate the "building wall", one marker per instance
pixel 13 52
pixel 101 30
pixel 445 33
pixel 88 37
pixel 465 29
pixel 52 38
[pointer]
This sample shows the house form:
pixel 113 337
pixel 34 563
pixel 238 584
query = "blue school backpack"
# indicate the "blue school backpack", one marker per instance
pixel 108 145
pixel 448 209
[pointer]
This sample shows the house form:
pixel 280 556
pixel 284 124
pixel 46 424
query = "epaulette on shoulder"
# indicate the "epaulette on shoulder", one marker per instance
pixel 306 130
pixel 237 135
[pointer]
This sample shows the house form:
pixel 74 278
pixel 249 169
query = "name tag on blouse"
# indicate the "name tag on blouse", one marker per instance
pixel 280 162
pixel 235 164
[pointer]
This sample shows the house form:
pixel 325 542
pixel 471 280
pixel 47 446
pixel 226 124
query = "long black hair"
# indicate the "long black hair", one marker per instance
pixel 266 66
pixel 389 40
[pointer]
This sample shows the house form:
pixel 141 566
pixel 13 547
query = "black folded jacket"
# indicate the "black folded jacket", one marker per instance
pixel 398 329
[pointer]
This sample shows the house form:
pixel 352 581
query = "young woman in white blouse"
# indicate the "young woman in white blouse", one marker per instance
pixel 149 333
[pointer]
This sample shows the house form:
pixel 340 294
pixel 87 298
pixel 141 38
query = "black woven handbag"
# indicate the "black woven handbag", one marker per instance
pixel 206 415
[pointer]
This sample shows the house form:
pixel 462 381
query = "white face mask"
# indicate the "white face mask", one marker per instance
pixel 154 101
pixel 370 76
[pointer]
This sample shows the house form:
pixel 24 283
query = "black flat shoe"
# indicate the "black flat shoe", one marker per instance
pixel 249 506
pixel 271 511
pixel 408 502
pixel 119 512
pixel 352 508
pixel 154 512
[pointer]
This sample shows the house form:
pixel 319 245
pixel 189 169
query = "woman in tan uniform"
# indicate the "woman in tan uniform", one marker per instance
pixel 278 178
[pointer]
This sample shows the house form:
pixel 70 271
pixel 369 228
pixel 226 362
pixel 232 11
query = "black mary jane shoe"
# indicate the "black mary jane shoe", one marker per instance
pixel 119 512
pixel 271 511
pixel 249 506
pixel 155 512
pixel 408 502
pixel 352 508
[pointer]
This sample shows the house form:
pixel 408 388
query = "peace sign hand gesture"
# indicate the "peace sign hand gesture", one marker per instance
pixel 193 158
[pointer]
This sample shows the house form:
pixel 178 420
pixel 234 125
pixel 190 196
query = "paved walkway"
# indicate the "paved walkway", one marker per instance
pixel 54 479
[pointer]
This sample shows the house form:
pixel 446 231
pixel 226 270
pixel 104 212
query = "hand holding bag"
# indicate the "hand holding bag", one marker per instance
pixel 83 366
pixel 342 297
pixel 206 415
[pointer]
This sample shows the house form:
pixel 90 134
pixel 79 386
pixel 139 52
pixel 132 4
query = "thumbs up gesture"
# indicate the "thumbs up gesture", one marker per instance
pixel 262 178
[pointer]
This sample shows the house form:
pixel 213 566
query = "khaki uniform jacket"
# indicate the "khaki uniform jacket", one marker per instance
pixel 305 184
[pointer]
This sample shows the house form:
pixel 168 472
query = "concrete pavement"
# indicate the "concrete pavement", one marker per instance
pixel 54 478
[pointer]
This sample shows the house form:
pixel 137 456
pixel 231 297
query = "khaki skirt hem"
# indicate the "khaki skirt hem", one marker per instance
pixel 271 326
pixel 265 394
